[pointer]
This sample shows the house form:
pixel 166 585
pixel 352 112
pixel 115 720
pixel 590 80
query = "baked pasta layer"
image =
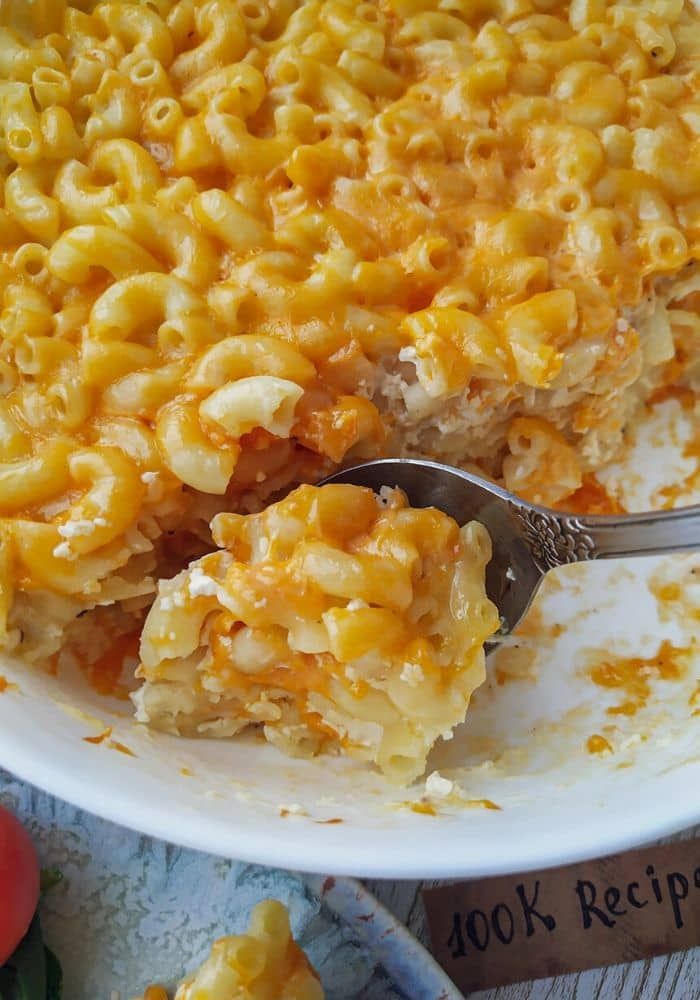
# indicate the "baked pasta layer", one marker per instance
pixel 335 619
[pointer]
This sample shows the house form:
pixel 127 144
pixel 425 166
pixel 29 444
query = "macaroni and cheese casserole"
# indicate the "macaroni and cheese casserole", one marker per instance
pixel 244 242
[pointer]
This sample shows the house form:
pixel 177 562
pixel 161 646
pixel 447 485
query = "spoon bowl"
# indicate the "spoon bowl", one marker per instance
pixel 528 540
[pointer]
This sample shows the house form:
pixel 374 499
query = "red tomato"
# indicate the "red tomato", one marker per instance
pixel 19 883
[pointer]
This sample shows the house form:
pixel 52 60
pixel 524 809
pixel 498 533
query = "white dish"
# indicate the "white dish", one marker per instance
pixel 523 747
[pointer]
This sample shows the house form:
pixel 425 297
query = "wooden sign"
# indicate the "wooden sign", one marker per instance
pixel 616 909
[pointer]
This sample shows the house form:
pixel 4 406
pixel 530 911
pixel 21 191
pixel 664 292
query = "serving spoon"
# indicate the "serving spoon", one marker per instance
pixel 527 540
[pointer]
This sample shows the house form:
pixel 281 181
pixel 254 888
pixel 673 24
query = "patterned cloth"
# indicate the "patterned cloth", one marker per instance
pixel 131 910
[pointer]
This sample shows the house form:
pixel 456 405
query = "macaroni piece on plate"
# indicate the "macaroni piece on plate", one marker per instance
pixel 264 964
pixel 242 243
pixel 336 619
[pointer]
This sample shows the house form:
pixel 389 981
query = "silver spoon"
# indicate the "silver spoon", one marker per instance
pixel 527 540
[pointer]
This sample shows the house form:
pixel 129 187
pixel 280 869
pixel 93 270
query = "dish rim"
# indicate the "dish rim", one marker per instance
pixel 337 852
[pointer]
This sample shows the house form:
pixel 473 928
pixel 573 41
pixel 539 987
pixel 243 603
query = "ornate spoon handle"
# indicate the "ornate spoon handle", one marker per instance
pixel 556 539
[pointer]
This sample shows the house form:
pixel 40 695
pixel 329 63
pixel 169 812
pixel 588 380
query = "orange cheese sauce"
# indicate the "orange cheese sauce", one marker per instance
pixel 669 496
pixel 669 592
pixel 632 676
pixel 686 397
pixel 97 740
pixel 592 498
pixel 295 964
pixel 304 673
pixel 516 664
pixel 315 722
pixel 597 744
pixel 423 808
pixel 105 737
pixel 155 993
pixel 6 685
pixel 694 701
pixel 675 599
pixel 105 675
pixel 532 624
pixel 301 675
pixel 484 804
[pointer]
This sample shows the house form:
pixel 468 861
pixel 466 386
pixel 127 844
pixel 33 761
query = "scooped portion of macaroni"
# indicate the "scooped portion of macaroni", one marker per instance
pixel 334 620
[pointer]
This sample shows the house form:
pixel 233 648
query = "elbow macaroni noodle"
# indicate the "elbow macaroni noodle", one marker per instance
pixel 243 243
pixel 264 964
